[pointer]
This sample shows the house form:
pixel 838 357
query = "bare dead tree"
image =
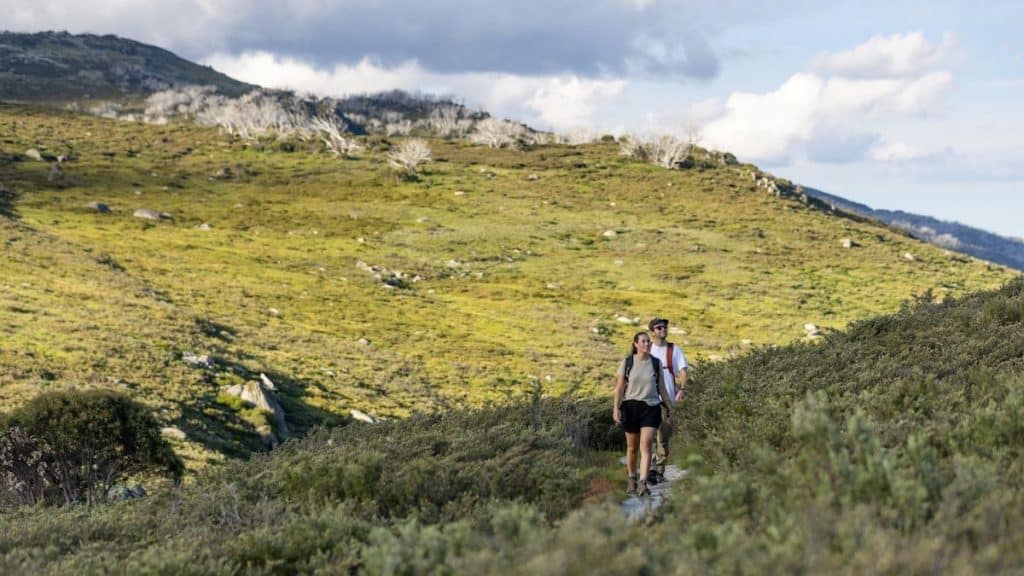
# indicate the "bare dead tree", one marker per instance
pixel 496 133
pixel 409 155
pixel 332 136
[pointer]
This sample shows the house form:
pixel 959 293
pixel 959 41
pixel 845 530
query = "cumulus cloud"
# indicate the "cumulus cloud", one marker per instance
pixel 545 101
pixel 527 37
pixel 835 117
pixel 894 56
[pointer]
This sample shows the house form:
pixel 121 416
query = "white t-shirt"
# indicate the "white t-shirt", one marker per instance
pixel 678 364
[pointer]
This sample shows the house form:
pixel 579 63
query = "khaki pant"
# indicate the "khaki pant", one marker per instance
pixel 660 458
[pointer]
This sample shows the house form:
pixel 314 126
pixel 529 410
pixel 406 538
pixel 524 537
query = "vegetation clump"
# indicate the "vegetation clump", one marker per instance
pixel 70 446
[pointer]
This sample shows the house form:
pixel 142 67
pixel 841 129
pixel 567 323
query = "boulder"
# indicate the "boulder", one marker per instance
pixel 172 432
pixel 147 214
pixel 256 394
pixel 362 416
pixel 34 154
pixel 204 361
pixel 610 234
pixel 121 493
pixel 99 207
pixel 908 257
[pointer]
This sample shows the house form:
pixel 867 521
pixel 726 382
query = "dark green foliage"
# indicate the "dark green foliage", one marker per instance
pixel 73 446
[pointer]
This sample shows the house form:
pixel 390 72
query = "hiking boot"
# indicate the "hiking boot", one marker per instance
pixel 642 489
pixel 631 486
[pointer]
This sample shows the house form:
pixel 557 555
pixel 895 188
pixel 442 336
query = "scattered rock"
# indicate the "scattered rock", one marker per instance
pixel 205 361
pixel 267 382
pixel 273 311
pixel 809 327
pixel 610 234
pixel 362 416
pixel 553 286
pixel 147 214
pixel 453 263
pixel 847 243
pixel 908 257
pixel 99 207
pixel 625 320
pixel 363 341
pixel 204 227
pixel 55 173
pixel 533 177
pixel 121 493
pixel 172 432
pixel 460 192
pixel 34 154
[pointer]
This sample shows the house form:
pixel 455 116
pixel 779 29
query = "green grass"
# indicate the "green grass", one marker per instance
pixel 518 283
pixel 893 447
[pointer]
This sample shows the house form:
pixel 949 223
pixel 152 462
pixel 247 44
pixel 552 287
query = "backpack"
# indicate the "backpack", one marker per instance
pixel 654 362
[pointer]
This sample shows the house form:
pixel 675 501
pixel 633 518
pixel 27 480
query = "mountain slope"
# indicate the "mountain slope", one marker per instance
pixel 894 447
pixel 494 272
pixel 62 67
pixel 950 235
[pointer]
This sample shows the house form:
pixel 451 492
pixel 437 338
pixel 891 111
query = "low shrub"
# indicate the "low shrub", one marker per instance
pixel 73 446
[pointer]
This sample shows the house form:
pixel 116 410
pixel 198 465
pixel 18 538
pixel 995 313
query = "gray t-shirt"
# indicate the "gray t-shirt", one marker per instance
pixel 642 383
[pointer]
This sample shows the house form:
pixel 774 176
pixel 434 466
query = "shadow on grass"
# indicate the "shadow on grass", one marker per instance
pixel 7 200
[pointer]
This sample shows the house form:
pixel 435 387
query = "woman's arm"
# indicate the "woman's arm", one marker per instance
pixel 620 390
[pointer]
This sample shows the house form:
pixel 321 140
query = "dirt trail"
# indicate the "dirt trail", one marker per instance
pixel 636 507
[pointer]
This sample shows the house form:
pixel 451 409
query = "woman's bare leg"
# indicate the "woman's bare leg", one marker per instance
pixel 646 441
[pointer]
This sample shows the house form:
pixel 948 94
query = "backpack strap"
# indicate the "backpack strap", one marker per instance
pixel 655 363
pixel 670 352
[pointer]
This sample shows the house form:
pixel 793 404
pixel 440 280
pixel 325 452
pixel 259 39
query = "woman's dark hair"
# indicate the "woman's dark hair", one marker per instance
pixel 636 337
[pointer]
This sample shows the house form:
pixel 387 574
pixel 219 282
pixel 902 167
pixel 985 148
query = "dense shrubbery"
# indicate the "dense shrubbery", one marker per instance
pixel 73 446
pixel 893 447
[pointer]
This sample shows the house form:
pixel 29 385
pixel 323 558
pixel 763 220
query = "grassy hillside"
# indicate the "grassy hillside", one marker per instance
pixel 500 270
pixel 893 447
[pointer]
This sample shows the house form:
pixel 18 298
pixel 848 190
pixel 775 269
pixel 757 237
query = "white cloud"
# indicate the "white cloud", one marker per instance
pixel 552 101
pixel 832 118
pixel 894 56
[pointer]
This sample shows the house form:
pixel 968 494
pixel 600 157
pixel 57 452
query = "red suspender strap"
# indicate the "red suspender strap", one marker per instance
pixel 669 353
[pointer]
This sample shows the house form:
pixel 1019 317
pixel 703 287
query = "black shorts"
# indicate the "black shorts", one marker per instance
pixel 637 415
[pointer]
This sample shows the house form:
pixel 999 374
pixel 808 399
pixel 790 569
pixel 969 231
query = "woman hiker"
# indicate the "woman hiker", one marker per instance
pixel 639 390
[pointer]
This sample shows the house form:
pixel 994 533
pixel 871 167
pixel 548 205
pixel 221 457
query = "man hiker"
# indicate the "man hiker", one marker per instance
pixel 673 363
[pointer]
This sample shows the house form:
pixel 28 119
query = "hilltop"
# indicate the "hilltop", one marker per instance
pixel 60 67
pixel 494 273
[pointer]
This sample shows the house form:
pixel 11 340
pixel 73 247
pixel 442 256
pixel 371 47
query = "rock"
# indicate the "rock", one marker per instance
pixel 533 177
pixel 809 327
pixel 624 320
pixel 121 493
pixel 99 207
pixel 172 432
pixel 267 382
pixel 908 257
pixel 204 227
pixel 460 192
pixel 273 311
pixel 362 416
pixel 205 361
pixel 453 263
pixel 34 154
pixel 610 234
pixel 147 214
pixel 257 395
pixel 55 173
pixel 363 341
pixel 847 243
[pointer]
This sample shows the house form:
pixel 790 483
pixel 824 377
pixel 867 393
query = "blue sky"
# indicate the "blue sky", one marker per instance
pixel 901 105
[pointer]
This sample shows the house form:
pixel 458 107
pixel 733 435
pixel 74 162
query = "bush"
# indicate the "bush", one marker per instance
pixel 74 446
